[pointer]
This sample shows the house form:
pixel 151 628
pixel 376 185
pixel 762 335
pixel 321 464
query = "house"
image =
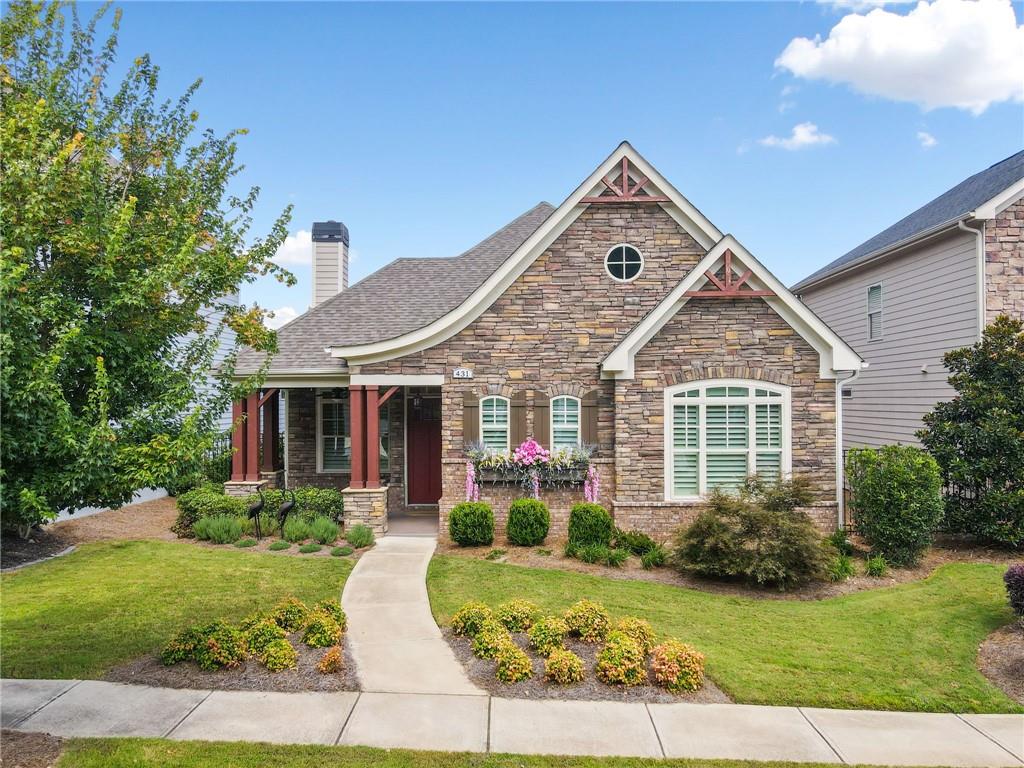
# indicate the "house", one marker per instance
pixel 928 284
pixel 622 320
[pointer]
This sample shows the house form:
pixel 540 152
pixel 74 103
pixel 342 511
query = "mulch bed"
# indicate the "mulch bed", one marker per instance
pixel 250 676
pixel 1001 660
pixel 549 555
pixel 28 750
pixel 481 672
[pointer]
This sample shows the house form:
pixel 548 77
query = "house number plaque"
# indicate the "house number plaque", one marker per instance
pixel 462 373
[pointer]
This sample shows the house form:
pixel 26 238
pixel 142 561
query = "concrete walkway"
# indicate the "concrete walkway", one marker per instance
pixel 480 723
pixel 394 641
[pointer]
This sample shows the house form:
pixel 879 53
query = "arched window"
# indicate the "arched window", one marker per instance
pixel 494 422
pixel 718 432
pixel 565 421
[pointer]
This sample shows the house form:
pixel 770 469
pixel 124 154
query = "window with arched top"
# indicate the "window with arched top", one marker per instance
pixel 565 421
pixel 718 432
pixel 494 422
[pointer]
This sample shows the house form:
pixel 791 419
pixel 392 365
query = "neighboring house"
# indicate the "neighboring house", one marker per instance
pixel 622 319
pixel 928 284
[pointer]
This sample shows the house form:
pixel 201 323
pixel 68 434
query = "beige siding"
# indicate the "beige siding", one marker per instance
pixel 328 260
pixel 930 306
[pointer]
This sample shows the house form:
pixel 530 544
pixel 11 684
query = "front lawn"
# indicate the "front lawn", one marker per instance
pixel 908 647
pixel 107 603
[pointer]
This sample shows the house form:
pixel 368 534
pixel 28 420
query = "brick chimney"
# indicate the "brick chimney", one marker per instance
pixel 330 260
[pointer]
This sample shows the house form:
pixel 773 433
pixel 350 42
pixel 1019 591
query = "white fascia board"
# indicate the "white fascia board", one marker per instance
pixel 684 212
pixel 991 208
pixel 304 381
pixel 834 353
pixel 397 379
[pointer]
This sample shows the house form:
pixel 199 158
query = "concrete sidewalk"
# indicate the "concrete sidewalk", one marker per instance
pixel 481 723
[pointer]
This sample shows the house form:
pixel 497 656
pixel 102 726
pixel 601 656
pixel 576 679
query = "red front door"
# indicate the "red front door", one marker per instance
pixel 424 450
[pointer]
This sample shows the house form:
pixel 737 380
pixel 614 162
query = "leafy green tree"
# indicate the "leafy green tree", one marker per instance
pixel 120 244
pixel 978 437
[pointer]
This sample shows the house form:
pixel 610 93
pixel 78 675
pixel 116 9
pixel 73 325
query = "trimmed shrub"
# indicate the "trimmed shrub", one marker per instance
pixel 547 634
pixel 876 566
pixel 359 536
pixel 1014 580
pixel 489 639
pixel 262 634
pixel 322 631
pixel 290 614
pixel 896 498
pixel 341 551
pixel 323 530
pixel 677 667
pixel 528 522
pixel 220 529
pixel 205 501
pixel 839 541
pixel 754 536
pixel 296 530
pixel 222 646
pixel 636 542
pixel 277 546
pixel 332 661
pixel 588 621
pixel 638 629
pixel 514 665
pixel 471 524
pixel 655 558
pixel 280 655
pixel 563 667
pixel 621 661
pixel 310 502
pixel 182 646
pixel 471 618
pixel 333 609
pixel 841 568
pixel 307 549
pixel 517 615
pixel 590 524
pixel 244 543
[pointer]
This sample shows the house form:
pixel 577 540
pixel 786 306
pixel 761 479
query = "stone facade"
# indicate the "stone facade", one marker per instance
pixel 1004 263
pixel 367 506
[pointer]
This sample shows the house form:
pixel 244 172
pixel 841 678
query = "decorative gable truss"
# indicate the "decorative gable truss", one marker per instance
pixel 730 272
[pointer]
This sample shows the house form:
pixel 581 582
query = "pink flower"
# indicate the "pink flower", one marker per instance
pixel 592 485
pixel 530 453
pixel 472 489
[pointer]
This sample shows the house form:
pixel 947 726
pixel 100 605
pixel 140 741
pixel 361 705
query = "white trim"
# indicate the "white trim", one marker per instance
pixel 296 381
pixel 834 353
pixel 881 313
pixel 579 419
pixel 320 438
pixel 786 463
pixel 993 207
pixel 398 379
pixel 643 262
pixel 284 399
pixel 508 418
pixel 681 209
pixel 840 468
pixel 979 268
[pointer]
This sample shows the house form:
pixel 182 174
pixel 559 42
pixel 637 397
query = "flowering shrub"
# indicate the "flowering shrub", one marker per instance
pixel 470 618
pixel 638 629
pixel 322 631
pixel 262 634
pixel 588 621
pixel 563 667
pixel 677 666
pixel 546 634
pixel 517 615
pixel 491 638
pixel 222 646
pixel 333 609
pixel 531 452
pixel 291 614
pixel 514 665
pixel 331 661
pixel 621 661
pixel 280 655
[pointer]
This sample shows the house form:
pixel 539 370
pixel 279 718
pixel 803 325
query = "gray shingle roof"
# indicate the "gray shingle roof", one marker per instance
pixel 406 294
pixel 946 208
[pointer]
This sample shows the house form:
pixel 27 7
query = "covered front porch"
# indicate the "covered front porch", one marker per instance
pixel 376 439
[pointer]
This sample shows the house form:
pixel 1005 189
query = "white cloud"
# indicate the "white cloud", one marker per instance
pixel 804 135
pixel 296 249
pixel 860 5
pixel 927 140
pixel 279 317
pixel 785 106
pixel 966 54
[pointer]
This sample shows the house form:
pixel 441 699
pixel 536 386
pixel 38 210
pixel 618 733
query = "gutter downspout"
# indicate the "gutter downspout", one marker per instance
pixel 840 469
pixel 979 241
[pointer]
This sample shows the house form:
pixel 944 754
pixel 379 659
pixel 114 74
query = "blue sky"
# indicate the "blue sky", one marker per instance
pixel 424 127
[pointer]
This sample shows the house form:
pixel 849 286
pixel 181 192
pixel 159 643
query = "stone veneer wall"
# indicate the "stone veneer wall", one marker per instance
pixel 1004 263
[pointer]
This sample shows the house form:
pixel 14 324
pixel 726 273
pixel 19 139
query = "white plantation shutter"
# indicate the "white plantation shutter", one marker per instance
pixel 685 445
pixel 494 423
pixel 768 435
pixel 875 312
pixel 565 422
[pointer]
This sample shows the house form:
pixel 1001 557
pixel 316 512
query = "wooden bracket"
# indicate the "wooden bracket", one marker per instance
pixel 727 288
pixel 387 396
pixel 624 193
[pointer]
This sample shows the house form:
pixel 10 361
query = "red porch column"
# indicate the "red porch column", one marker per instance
pixel 372 438
pixel 252 437
pixel 271 413
pixel 238 440
pixel 357 418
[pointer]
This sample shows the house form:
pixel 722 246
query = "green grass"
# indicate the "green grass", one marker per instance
pixel 908 647
pixel 107 603
pixel 155 753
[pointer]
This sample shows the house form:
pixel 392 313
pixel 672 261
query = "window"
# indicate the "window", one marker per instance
pixel 384 427
pixel 334 442
pixel 874 312
pixel 719 432
pixel 565 422
pixel 494 423
pixel 624 263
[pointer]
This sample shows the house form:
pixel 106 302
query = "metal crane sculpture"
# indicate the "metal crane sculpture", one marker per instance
pixel 285 509
pixel 254 512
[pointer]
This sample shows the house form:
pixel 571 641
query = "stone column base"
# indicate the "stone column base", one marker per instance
pixel 368 506
pixel 273 479
pixel 244 487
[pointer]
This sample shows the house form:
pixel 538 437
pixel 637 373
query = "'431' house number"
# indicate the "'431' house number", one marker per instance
pixel 462 373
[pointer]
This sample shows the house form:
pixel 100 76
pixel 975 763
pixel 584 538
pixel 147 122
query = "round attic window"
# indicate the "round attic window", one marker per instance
pixel 624 263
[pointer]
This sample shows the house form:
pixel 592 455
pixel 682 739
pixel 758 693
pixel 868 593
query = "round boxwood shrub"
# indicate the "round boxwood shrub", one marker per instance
pixel 528 522
pixel 547 633
pixel 588 621
pixel 206 501
pixel 590 524
pixel 677 666
pixel 514 665
pixel 280 655
pixel 896 498
pixel 621 661
pixel 563 667
pixel 517 615
pixel 471 524
pixel 470 618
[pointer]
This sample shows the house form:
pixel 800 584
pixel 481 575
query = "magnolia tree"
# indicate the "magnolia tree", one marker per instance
pixel 120 246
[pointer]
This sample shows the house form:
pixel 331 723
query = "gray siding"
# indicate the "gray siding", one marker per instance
pixel 930 306
pixel 330 270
